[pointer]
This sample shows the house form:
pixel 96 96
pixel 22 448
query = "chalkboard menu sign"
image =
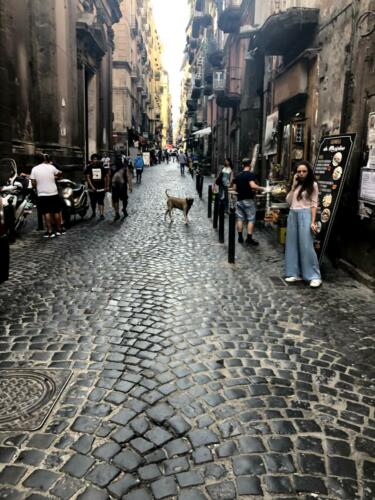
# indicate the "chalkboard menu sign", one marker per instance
pixel 330 170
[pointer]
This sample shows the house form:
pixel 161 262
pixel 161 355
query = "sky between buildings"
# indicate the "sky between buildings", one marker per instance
pixel 171 17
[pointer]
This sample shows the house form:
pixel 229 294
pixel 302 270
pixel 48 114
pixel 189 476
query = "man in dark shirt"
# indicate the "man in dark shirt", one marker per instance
pixel 97 182
pixel 245 186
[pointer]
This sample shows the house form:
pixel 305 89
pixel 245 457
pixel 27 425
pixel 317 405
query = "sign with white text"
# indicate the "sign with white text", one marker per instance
pixel 331 168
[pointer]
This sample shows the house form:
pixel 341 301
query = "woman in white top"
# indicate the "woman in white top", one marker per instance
pixel 224 181
pixel 301 261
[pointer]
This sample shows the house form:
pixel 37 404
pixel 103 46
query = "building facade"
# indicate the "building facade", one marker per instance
pixel 56 72
pixel 141 99
pixel 268 80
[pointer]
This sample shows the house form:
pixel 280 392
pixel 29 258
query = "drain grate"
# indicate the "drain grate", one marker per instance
pixel 28 395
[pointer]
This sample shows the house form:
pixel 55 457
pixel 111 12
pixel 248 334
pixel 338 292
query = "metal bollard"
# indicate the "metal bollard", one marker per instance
pixel 197 183
pixel 221 221
pixel 209 206
pixel 232 236
pixel 200 185
pixel 216 211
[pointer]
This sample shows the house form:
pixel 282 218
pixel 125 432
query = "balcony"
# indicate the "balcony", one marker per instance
pixel 289 31
pixel 230 18
pixel 228 88
pixel 134 74
pixel 214 54
pixel 157 76
pixel 134 26
pixel 199 5
pixel 196 92
pixel 191 105
pixel 208 89
pixel 140 84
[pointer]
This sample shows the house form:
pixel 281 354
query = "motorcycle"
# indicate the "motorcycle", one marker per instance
pixel 17 195
pixel 74 199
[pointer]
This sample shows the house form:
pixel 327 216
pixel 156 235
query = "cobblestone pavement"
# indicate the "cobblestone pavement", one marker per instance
pixel 180 376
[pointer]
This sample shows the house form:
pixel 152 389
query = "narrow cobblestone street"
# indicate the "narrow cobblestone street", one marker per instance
pixel 154 369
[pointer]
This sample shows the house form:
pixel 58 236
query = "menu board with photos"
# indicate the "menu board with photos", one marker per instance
pixel 330 170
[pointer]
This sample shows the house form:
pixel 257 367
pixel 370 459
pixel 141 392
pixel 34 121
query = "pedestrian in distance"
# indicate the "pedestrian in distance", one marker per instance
pixel 43 176
pixel 246 186
pixel 121 181
pixel 301 261
pixel 97 178
pixel 139 165
pixel 182 160
pixel 224 180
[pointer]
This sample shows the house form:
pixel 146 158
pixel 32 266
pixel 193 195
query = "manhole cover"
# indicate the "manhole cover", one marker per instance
pixel 27 396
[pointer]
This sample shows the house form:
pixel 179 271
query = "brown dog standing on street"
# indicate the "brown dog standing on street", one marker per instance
pixel 183 204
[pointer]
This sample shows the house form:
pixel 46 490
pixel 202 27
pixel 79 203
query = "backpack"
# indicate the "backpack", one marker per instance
pixel 138 163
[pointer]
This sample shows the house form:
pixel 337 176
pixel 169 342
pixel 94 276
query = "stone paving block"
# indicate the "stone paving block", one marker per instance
pixel 175 465
pixel 41 480
pixel 93 494
pixel 11 474
pixel 309 484
pixel 121 486
pixel 244 465
pixel 149 472
pixel 41 441
pixel 128 460
pixel 66 488
pixel 78 465
pixel 139 494
pixel 30 457
pixel 191 494
pixel 7 453
pixel 106 451
pixel 249 485
pixel 222 491
pixel 102 474
pixel 83 444
pixel 163 488
pixel 202 438
pixel 188 479
pixel 123 417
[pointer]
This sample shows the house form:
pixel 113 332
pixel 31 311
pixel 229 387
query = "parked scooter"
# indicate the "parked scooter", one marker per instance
pixel 17 195
pixel 74 198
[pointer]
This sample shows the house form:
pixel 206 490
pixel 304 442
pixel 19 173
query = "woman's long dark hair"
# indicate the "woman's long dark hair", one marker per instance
pixel 230 162
pixel 307 184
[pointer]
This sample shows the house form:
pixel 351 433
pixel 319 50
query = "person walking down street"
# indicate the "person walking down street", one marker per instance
pixel 245 186
pixel 301 261
pixel 139 166
pixel 224 180
pixel 43 177
pixel 182 160
pixel 121 181
pixel 97 177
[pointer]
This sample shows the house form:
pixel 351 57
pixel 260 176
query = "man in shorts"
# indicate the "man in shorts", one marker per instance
pixel 97 177
pixel 43 177
pixel 245 186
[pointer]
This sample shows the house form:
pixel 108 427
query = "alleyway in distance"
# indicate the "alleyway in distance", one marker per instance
pixel 185 377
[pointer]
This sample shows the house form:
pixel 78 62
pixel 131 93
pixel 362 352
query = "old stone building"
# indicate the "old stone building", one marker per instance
pixel 55 71
pixel 269 79
pixel 141 101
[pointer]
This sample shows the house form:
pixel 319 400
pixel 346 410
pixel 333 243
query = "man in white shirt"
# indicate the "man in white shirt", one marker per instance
pixel 43 177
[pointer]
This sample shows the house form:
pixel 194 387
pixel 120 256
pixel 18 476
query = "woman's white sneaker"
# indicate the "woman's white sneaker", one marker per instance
pixel 315 283
pixel 293 279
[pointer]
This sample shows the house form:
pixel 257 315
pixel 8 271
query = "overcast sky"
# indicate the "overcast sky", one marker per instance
pixel 171 17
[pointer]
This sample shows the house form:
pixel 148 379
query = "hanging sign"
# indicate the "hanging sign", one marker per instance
pixel 331 168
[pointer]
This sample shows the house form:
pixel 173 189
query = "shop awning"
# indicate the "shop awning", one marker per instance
pixel 203 132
